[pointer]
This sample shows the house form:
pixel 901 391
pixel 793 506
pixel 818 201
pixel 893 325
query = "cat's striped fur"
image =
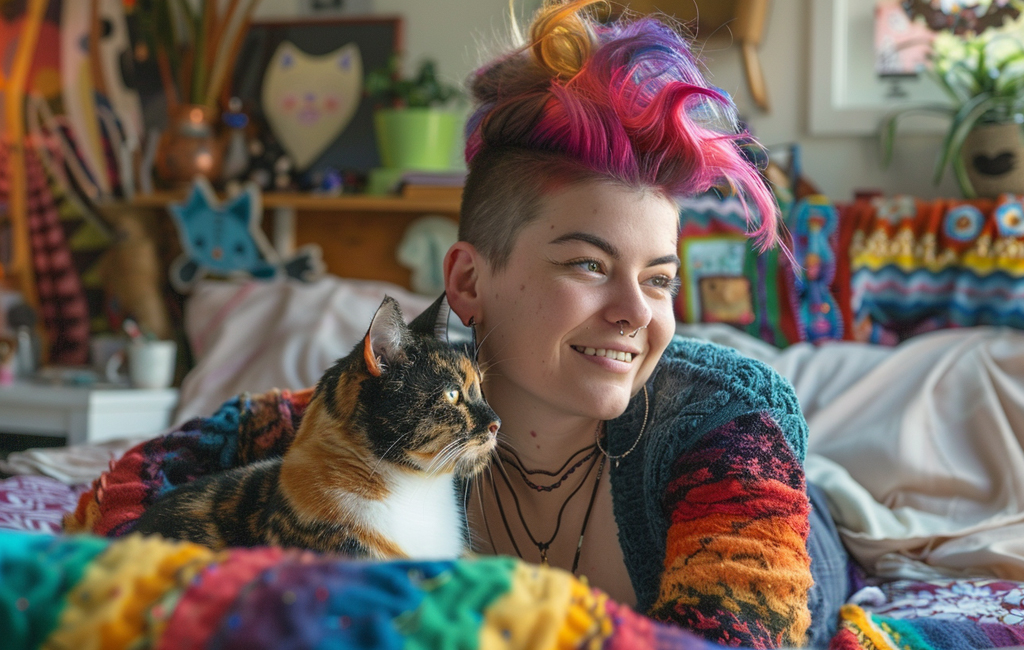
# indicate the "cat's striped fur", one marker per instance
pixel 372 469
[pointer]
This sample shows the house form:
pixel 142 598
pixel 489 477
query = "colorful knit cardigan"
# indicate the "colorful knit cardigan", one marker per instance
pixel 711 506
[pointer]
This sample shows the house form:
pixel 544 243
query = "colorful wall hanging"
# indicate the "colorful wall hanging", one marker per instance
pixel 14 73
pixel 227 241
pixel 725 280
pixel 79 92
pixel 813 225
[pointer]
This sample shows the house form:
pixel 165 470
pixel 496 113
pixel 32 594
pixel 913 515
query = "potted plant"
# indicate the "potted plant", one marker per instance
pixel 413 130
pixel 983 75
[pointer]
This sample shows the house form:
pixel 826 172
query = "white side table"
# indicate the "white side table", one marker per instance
pixel 85 414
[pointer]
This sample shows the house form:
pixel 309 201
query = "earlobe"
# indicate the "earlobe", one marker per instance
pixel 462 266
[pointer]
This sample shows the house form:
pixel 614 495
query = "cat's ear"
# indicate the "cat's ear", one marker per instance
pixel 348 56
pixel 383 344
pixel 433 321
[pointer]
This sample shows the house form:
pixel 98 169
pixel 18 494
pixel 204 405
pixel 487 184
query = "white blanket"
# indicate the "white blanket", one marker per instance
pixel 918 447
pixel 254 336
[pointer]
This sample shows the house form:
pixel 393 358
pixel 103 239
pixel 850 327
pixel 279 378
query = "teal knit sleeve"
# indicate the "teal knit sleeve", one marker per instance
pixel 698 389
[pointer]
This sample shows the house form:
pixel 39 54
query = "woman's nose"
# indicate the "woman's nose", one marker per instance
pixel 629 310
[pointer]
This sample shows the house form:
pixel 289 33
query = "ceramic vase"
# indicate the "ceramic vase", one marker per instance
pixel 190 146
pixel 993 155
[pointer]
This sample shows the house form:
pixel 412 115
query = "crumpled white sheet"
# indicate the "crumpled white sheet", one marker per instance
pixel 254 336
pixel 918 447
pixel 72 465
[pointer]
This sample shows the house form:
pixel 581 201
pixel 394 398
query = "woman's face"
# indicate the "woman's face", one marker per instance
pixel 599 258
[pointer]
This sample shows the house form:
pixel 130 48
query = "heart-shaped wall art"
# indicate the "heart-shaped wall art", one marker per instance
pixel 310 100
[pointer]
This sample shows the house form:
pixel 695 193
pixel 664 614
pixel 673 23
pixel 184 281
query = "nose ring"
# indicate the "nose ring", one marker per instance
pixel 635 332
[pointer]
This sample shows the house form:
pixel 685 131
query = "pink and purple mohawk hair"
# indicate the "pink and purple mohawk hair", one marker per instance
pixel 625 100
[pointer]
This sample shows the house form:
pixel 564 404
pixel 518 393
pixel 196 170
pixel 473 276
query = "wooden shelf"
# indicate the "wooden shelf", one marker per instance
pixel 311 202
pixel 358 234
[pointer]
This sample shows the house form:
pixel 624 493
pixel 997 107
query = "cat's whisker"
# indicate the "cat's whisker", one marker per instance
pixel 384 455
pixel 450 462
pixel 440 459
pixel 490 365
pixel 506 443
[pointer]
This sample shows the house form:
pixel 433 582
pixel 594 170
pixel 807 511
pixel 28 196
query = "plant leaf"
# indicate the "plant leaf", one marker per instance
pixel 964 120
pixel 888 130
pixel 962 179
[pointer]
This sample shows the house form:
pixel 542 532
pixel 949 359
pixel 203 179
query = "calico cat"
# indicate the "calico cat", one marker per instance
pixel 372 469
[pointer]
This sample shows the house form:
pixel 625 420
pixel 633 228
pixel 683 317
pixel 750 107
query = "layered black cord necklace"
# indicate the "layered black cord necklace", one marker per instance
pixel 543 547
pixel 515 463
pixel 590 451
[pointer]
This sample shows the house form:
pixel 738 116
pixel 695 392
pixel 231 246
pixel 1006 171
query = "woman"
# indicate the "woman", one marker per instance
pixel 668 472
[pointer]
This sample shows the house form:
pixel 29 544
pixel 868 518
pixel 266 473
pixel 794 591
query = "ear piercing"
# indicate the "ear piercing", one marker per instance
pixel 635 332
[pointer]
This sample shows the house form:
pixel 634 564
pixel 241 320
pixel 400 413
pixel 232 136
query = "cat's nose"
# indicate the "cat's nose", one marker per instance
pixel 493 427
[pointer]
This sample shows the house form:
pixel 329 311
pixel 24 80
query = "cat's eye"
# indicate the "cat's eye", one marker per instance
pixel 452 396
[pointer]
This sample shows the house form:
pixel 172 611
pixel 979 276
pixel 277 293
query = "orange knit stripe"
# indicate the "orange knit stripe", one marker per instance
pixel 765 559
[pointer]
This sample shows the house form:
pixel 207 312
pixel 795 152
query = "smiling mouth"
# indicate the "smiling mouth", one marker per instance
pixel 601 352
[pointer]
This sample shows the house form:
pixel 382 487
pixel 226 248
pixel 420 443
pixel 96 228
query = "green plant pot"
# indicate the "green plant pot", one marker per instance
pixel 415 138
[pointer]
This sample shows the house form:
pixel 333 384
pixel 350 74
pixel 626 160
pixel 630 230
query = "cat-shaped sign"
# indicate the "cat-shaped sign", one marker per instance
pixel 310 100
pixel 226 240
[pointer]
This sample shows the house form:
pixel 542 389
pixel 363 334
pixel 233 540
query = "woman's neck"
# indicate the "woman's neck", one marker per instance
pixel 542 436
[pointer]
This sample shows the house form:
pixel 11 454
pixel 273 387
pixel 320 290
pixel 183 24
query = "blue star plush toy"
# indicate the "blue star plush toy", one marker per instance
pixel 226 240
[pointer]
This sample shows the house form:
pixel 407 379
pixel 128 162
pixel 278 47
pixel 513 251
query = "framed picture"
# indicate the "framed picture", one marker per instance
pixel 849 93
pixel 311 71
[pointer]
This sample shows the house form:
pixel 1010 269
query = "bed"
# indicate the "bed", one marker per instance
pixel 917 447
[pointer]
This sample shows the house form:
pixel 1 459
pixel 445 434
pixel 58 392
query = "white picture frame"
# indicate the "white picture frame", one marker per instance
pixel 846 95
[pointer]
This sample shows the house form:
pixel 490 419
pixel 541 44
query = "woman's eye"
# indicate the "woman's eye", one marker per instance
pixel 452 396
pixel 590 266
pixel 666 282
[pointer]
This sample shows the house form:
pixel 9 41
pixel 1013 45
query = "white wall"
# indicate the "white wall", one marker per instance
pixel 450 31
pixel 838 165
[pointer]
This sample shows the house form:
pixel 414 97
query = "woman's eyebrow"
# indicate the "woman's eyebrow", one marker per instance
pixel 666 259
pixel 593 240
pixel 609 248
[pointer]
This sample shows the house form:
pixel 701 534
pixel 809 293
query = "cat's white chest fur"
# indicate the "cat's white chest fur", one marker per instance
pixel 420 515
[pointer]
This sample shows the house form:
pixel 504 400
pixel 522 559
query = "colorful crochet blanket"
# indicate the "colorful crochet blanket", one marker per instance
pixel 89 592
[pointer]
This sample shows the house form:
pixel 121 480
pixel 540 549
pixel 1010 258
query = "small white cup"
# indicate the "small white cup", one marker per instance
pixel 150 364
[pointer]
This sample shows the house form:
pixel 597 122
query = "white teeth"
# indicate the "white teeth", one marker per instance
pixel 610 354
